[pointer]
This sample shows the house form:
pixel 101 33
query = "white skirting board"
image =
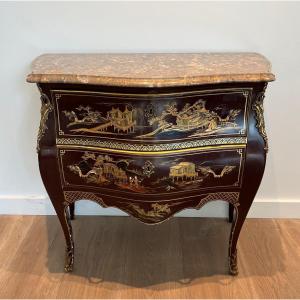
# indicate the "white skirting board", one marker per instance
pixel 41 205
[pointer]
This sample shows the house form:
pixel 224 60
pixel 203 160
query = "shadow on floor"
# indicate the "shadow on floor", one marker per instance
pixel 123 250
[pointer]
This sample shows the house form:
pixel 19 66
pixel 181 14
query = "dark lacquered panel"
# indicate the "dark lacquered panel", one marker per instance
pixel 164 174
pixel 150 118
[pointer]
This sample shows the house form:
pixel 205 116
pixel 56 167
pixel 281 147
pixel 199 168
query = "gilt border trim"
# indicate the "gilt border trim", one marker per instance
pixel 134 152
pixel 149 147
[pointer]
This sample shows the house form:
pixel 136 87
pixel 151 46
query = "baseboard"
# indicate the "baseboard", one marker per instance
pixel 41 205
pixel 266 208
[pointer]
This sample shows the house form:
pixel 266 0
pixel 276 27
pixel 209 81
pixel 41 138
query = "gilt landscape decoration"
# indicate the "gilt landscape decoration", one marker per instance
pixel 193 119
pixel 153 175
pixel 156 213
pixel 166 119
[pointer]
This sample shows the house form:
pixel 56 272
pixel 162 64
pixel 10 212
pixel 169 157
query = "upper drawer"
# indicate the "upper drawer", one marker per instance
pixel 152 117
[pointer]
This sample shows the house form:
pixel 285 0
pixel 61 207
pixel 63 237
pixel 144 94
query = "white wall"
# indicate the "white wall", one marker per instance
pixel 30 29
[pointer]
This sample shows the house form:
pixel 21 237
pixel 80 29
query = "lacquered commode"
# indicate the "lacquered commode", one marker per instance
pixel 152 134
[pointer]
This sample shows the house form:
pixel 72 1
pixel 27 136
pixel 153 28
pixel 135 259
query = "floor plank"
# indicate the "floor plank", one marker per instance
pixel 117 257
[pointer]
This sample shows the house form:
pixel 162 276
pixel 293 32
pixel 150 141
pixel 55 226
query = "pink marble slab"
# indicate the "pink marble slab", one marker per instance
pixel 150 69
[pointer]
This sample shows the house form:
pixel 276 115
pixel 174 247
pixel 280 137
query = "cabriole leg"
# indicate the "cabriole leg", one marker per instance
pixel 240 217
pixel 72 211
pixel 253 172
pixel 51 179
pixel 230 212
pixel 69 259
pixel 232 251
pixel 65 221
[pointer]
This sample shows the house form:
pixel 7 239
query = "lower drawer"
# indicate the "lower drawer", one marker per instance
pixel 144 175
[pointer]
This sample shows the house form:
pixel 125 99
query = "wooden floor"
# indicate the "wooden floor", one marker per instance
pixel 117 257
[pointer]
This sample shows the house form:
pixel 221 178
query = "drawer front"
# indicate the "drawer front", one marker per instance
pixel 160 174
pixel 152 118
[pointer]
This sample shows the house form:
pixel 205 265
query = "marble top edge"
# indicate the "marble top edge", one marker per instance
pixel 151 69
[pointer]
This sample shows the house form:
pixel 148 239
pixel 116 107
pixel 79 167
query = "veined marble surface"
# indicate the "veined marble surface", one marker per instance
pixel 151 69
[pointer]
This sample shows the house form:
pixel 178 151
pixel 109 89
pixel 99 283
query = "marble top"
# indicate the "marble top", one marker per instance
pixel 150 69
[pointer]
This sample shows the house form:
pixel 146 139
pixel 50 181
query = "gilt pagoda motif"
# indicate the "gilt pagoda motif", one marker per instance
pixel 116 120
pixel 121 120
pixel 183 171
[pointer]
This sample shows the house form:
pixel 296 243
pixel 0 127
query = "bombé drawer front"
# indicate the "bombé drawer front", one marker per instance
pixel 151 118
pixel 144 176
